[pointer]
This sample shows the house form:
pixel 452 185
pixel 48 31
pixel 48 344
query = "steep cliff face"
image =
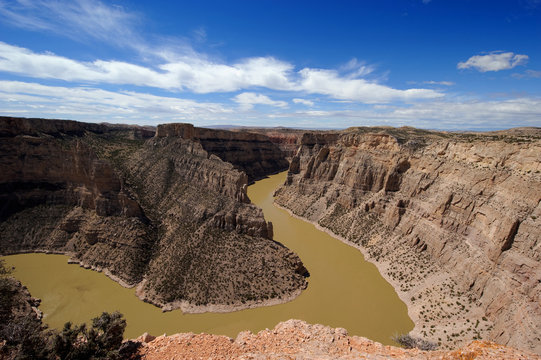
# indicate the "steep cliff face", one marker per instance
pixel 252 153
pixel 452 220
pixel 158 212
pixel 286 139
pixel 58 196
pixel 215 247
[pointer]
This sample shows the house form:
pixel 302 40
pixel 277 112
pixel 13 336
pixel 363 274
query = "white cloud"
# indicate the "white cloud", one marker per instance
pixel 95 105
pixel 172 65
pixel 495 61
pixel 303 101
pixel 329 82
pixel 457 115
pixel 83 103
pixel 193 74
pixel 247 100
pixel 199 75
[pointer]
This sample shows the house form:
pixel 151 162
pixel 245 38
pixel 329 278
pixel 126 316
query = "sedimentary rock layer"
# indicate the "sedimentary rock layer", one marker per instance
pixel 252 153
pixel 288 140
pixel 296 339
pixel 158 212
pixel 452 220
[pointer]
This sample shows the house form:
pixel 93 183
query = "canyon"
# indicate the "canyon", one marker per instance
pixel 451 220
pixel 155 211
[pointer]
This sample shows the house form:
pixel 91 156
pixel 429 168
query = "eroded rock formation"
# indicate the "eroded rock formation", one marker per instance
pixel 255 154
pixel 452 220
pixel 158 212
pixel 288 140
pixel 295 339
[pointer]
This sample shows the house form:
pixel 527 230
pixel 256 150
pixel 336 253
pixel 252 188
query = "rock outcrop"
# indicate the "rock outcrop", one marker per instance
pixel 295 339
pixel 451 220
pixel 158 212
pixel 286 139
pixel 252 153
pixel 210 233
pixel 16 303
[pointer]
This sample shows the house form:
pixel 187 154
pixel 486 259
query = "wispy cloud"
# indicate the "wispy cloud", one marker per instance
pixel 528 74
pixel 355 69
pixel 445 83
pixel 494 61
pixel 200 34
pixel 247 100
pixel 77 19
pixel 303 101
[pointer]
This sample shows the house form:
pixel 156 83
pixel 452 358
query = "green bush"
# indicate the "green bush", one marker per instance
pixel 101 341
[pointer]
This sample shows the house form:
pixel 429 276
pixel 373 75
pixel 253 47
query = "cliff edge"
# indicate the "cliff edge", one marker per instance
pixel 295 339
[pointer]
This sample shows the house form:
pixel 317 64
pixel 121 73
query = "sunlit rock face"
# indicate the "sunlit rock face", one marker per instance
pixel 457 215
pixel 295 339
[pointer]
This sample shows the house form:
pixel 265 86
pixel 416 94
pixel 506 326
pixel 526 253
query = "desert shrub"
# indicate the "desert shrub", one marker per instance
pixel 409 342
pixel 24 339
pixel 101 341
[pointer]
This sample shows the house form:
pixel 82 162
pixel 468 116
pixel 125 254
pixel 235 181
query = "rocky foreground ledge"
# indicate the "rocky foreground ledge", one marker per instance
pixel 295 339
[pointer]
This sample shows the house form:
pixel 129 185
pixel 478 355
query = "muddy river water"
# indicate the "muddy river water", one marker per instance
pixel 344 290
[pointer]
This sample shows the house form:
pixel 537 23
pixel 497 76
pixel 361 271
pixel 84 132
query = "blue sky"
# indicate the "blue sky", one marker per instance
pixel 435 64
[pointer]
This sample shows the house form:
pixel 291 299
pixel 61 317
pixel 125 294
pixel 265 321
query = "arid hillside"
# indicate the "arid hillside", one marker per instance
pixel 157 212
pixel 453 221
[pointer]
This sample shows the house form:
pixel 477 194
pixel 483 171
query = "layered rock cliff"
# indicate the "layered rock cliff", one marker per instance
pixel 253 153
pixel 158 212
pixel 452 221
pixel 286 139
pixel 296 339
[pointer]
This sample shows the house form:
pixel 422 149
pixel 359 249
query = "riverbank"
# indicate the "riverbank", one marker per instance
pixel 440 314
pixel 185 306
pixel 336 295
pixel 189 308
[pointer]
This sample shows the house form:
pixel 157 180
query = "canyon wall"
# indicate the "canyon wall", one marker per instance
pixel 159 212
pixel 451 220
pixel 286 139
pixel 253 153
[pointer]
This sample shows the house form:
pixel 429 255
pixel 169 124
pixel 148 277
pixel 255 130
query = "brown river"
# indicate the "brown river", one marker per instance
pixel 344 290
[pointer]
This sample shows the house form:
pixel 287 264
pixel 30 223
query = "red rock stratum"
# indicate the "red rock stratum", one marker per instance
pixel 295 339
